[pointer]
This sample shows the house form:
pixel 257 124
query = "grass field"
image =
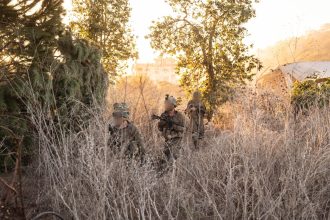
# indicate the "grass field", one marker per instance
pixel 267 167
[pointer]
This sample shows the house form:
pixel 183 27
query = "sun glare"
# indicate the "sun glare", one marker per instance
pixel 275 20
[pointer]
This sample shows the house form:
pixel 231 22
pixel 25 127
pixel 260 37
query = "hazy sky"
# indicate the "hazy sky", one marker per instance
pixel 276 20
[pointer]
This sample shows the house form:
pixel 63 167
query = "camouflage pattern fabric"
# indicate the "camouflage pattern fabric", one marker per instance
pixel 121 109
pixel 196 119
pixel 127 141
pixel 173 134
pixel 172 148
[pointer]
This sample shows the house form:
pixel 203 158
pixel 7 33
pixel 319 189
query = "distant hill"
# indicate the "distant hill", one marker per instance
pixel 314 46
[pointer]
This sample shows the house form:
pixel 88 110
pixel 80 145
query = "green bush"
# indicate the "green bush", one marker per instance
pixel 310 93
pixel 48 70
pixel 78 81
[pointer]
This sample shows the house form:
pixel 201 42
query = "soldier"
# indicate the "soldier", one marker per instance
pixel 196 112
pixel 171 125
pixel 125 138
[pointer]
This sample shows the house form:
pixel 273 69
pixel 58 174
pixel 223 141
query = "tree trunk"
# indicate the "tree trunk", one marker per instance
pixel 211 91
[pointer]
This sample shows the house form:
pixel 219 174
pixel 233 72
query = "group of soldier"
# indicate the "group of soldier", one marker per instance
pixel 125 138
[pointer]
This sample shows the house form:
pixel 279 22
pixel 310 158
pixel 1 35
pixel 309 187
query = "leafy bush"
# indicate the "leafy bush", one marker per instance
pixel 77 81
pixel 42 66
pixel 310 93
pixel 29 38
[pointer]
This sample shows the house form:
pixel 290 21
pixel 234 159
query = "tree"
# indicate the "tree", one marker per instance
pixel 105 24
pixel 43 67
pixel 79 81
pixel 207 37
pixel 28 34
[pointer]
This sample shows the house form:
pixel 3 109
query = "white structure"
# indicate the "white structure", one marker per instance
pixel 280 81
pixel 303 70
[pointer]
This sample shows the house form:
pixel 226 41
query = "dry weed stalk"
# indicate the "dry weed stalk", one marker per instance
pixel 252 172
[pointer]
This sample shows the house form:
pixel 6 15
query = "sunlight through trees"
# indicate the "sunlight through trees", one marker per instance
pixel 207 39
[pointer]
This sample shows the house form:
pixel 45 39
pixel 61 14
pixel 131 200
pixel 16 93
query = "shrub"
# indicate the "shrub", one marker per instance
pixel 310 93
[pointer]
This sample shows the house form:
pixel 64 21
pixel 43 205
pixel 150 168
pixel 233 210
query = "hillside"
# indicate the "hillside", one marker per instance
pixel 314 46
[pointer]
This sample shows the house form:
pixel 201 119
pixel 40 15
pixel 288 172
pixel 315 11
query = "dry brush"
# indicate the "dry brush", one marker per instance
pixel 251 172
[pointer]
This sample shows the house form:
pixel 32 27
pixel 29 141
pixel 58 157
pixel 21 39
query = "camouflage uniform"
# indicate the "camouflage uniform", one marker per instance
pixel 196 119
pixel 173 133
pixel 125 141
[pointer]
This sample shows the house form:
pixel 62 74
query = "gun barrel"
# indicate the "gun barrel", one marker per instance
pixel 156 117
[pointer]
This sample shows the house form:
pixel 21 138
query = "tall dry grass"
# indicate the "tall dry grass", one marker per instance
pixel 251 172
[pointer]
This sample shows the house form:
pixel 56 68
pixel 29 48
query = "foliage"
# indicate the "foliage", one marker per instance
pixel 80 81
pixel 28 34
pixel 45 68
pixel 105 23
pixel 207 38
pixel 310 93
pixel 304 94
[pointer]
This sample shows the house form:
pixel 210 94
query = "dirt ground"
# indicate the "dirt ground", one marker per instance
pixel 7 212
pixel 33 205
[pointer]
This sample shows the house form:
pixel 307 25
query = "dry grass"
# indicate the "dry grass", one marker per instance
pixel 251 172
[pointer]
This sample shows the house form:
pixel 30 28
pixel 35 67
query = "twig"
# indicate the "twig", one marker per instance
pixel 47 213
pixel 2 181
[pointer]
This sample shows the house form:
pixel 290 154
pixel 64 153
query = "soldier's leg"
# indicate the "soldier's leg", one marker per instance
pixel 176 148
pixel 195 139
pixel 201 129
pixel 172 148
pixel 167 150
pixel 201 133
pixel 164 163
pixel 195 133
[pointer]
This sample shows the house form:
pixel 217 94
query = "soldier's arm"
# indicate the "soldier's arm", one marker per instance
pixel 188 108
pixel 180 127
pixel 203 108
pixel 110 129
pixel 161 124
pixel 138 139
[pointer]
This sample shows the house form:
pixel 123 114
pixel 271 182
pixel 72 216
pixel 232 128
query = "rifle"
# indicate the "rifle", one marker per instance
pixel 111 129
pixel 168 121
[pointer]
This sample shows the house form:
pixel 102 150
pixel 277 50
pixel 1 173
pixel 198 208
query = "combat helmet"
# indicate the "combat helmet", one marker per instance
pixel 120 110
pixel 171 100
pixel 197 94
